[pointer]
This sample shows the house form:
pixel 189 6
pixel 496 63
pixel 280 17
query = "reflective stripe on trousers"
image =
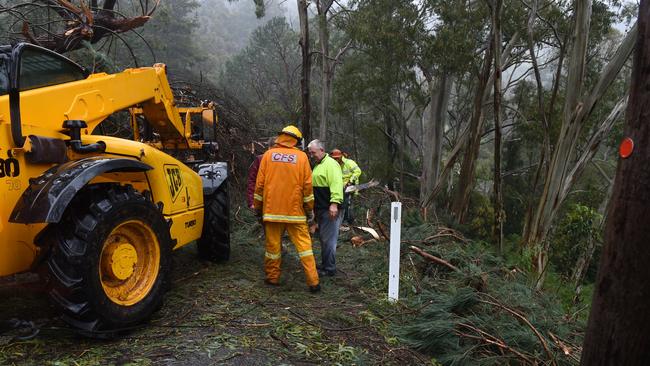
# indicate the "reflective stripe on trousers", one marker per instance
pixel 299 235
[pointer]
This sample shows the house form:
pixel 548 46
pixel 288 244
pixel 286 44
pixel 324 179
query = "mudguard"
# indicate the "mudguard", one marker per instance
pixel 49 194
pixel 213 175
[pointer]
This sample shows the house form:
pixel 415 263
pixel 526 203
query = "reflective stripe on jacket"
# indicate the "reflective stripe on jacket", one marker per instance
pixel 351 171
pixel 283 189
pixel 328 183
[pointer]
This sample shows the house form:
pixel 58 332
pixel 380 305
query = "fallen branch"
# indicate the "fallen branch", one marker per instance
pixel 324 327
pixel 447 232
pixel 518 315
pixel 358 241
pixel 382 318
pixel 382 230
pixel 277 338
pixel 433 258
pixel 490 339
pixel 391 193
pixel 237 354
pixel 368 230
pixel 370 216
pixel 568 349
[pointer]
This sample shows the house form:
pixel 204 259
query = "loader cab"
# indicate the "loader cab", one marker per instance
pixel 25 67
pixel 5 53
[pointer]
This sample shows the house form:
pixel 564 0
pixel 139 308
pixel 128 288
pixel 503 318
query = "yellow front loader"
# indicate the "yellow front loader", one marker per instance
pixel 98 216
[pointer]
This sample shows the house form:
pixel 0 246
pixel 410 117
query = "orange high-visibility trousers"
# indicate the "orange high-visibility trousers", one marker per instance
pixel 299 235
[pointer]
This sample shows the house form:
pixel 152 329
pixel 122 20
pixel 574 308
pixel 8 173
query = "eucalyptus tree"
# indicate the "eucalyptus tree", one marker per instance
pixel 305 75
pixel 567 161
pixel 446 52
pixel 325 13
pixel 385 36
pixel 420 48
pixel 265 73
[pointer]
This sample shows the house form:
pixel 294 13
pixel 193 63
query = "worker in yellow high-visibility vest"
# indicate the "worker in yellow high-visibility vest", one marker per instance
pixel 351 173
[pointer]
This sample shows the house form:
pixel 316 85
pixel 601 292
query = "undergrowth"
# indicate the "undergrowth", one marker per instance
pixel 487 312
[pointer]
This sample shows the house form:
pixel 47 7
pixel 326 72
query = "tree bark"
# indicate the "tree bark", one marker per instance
pixel 326 66
pixel 306 68
pixel 468 167
pixel 562 154
pixel 498 198
pixel 433 129
pixel 619 323
pixel 464 135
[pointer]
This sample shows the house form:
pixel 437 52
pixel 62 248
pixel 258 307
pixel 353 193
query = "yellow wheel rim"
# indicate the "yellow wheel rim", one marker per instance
pixel 129 262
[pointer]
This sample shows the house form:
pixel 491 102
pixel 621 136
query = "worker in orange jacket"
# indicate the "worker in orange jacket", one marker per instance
pixel 284 199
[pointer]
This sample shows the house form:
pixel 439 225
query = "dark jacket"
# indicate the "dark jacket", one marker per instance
pixel 252 177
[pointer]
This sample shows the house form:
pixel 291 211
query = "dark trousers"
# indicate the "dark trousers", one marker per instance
pixel 347 204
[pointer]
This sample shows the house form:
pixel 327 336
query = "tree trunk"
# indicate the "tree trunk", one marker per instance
pixel 619 323
pixel 564 147
pixel 306 67
pixel 464 135
pixel 433 129
pixel 468 167
pixel 560 174
pixel 498 198
pixel 326 67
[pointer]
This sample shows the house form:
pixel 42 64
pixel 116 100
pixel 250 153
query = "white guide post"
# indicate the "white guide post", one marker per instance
pixel 395 238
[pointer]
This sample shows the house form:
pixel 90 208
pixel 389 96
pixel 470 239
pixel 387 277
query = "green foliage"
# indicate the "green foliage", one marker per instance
pixel 578 229
pixel 481 213
pixel 225 27
pixel 265 74
pixel 411 217
pixel 170 33
pixel 461 311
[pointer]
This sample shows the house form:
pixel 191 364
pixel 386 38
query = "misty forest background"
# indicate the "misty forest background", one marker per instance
pixel 495 122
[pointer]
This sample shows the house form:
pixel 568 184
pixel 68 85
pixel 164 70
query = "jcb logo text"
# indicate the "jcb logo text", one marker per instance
pixel 174 180
pixel 9 168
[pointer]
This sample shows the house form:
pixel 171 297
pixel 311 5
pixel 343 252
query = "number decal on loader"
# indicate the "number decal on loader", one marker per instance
pixel 13 184
pixel 9 168
pixel 174 180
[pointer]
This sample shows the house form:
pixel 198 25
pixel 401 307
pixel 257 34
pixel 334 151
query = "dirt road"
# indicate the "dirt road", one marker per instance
pixel 224 314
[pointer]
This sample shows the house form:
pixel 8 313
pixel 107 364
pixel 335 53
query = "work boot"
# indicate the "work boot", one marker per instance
pixel 314 289
pixel 271 283
pixel 324 273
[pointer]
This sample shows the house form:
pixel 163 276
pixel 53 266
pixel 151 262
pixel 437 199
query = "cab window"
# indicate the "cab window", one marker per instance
pixel 4 76
pixel 39 69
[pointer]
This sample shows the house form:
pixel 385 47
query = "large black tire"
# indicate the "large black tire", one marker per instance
pixel 214 244
pixel 77 276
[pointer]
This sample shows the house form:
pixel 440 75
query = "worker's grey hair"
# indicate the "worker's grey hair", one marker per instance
pixel 272 141
pixel 317 143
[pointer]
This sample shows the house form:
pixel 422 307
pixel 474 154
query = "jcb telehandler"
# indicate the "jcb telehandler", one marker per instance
pixel 98 216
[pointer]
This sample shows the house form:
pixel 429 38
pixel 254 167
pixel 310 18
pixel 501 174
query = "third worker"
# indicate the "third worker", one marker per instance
pixel 351 173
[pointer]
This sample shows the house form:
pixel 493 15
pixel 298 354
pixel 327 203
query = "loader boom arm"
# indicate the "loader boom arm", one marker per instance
pixel 39 106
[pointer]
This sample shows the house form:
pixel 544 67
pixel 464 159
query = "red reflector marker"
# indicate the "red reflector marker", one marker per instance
pixel 626 148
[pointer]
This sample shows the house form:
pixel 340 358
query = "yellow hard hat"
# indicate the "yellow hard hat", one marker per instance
pixel 292 131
